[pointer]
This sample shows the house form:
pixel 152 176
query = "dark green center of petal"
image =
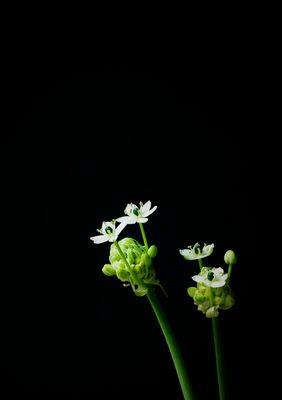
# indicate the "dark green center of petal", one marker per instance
pixel 109 230
pixel 210 276
pixel 136 211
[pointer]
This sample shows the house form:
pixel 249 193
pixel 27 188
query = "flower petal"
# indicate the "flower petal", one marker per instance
pixel 126 220
pixel 147 213
pixel 218 271
pixel 217 283
pixel 120 228
pixel 198 278
pixel 208 249
pixel 141 220
pixel 145 208
pixel 187 254
pixel 99 239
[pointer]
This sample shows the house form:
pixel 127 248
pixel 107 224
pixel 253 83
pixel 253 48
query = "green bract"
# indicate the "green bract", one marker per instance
pixel 138 271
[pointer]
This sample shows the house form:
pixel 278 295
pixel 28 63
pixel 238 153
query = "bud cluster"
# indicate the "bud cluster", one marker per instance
pixel 209 300
pixel 138 271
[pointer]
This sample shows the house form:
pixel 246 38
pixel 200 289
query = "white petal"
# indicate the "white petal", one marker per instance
pixel 146 214
pixel 198 278
pixel 208 249
pixel 145 208
pixel 217 283
pixel 99 239
pixel 120 228
pixel 218 271
pixel 187 254
pixel 126 220
pixel 128 209
pixel 141 220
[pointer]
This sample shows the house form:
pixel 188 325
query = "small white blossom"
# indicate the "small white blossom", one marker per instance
pixel 135 214
pixel 214 277
pixel 109 232
pixel 195 253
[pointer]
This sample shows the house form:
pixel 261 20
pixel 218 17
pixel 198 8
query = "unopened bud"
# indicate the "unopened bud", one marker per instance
pixel 212 312
pixel 199 298
pixel 153 251
pixel 122 274
pixel 230 257
pixel 192 291
pixel 108 270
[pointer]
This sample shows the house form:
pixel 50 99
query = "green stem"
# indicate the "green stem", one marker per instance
pixel 144 236
pixel 172 345
pixel 218 359
pixel 201 264
pixel 229 272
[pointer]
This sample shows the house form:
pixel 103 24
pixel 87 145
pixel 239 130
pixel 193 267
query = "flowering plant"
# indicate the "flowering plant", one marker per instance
pixel 133 264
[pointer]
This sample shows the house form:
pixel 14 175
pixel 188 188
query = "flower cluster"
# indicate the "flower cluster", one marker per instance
pixel 130 261
pixel 134 214
pixel 212 292
pixel 136 269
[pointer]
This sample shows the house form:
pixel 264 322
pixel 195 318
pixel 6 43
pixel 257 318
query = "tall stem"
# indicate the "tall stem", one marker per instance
pixel 218 359
pixel 172 345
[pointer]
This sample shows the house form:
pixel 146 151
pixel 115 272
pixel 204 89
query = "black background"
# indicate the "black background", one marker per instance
pixel 86 134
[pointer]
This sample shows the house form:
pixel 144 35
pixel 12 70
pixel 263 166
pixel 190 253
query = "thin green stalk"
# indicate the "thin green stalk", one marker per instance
pixel 229 272
pixel 172 345
pixel 201 264
pixel 144 236
pixel 218 359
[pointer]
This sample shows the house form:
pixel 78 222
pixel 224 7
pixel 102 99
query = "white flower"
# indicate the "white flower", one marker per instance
pixel 137 214
pixel 109 232
pixel 214 277
pixel 195 253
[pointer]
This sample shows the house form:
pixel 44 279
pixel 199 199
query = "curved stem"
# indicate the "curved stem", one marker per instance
pixel 218 359
pixel 172 345
pixel 144 236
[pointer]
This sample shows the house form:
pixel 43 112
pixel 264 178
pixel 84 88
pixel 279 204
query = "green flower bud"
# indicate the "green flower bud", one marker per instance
pixel 153 251
pixel 108 270
pixel 204 306
pixel 212 312
pixel 228 302
pixel 141 291
pixel 192 291
pixel 146 259
pixel 218 291
pixel 218 300
pixel 230 257
pixel 199 298
pixel 130 256
pixel 122 274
